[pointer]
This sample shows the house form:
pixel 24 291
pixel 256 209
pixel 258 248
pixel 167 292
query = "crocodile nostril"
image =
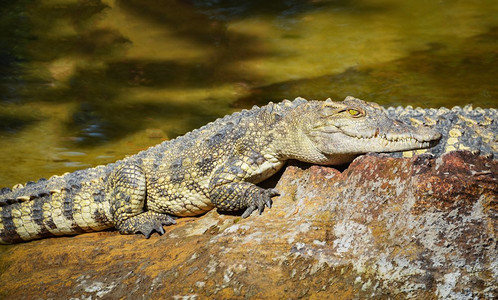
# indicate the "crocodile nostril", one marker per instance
pixel 377 131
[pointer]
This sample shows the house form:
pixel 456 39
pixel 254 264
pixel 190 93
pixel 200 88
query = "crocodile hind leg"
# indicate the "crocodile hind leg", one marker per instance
pixel 126 190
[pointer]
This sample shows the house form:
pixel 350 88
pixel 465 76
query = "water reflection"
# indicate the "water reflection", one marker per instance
pixel 228 10
pixel 107 78
pixel 12 50
pixel 457 73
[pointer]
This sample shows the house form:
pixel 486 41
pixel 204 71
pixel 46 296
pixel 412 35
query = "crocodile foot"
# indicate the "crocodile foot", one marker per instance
pixel 259 200
pixel 146 223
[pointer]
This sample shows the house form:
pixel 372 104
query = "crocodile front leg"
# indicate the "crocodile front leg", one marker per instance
pixel 126 190
pixel 239 195
pixel 229 192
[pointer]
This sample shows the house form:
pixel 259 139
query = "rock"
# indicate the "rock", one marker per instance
pixel 421 228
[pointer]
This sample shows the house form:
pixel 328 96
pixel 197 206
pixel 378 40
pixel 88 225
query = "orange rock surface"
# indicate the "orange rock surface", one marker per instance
pixel 422 228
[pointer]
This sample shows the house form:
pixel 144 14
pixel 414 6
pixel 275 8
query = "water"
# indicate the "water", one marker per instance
pixel 87 82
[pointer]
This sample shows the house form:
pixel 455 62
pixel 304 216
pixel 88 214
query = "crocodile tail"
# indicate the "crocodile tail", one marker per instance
pixel 22 221
pixel 26 215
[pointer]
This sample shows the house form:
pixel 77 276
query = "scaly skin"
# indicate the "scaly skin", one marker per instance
pixel 217 165
pixel 463 128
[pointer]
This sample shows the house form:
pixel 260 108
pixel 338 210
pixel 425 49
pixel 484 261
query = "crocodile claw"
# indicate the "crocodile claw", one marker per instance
pixel 248 211
pixel 147 227
pixel 260 200
pixel 148 230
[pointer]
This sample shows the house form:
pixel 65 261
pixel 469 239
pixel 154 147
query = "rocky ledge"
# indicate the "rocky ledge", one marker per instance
pixel 385 227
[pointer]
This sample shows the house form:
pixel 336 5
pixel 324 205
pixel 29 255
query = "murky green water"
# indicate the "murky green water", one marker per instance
pixel 88 82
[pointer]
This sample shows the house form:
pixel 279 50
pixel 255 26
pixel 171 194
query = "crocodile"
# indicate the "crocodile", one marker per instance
pixel 216 166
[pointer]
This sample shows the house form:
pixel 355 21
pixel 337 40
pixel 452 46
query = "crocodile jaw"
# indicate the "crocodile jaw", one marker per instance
pixel 391 144
pixel 338 143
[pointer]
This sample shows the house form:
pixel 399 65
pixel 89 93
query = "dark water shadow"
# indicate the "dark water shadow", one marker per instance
pixel 42 19
pixel 12 48
pixel 10 124
pixel 236 9
pixel 102 122
pixel 21 43
pixel 458 74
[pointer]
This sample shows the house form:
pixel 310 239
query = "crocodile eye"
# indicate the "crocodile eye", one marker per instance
pixel 354 112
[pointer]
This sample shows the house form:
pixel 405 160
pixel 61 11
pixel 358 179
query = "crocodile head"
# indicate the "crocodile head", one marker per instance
pixel 336 132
